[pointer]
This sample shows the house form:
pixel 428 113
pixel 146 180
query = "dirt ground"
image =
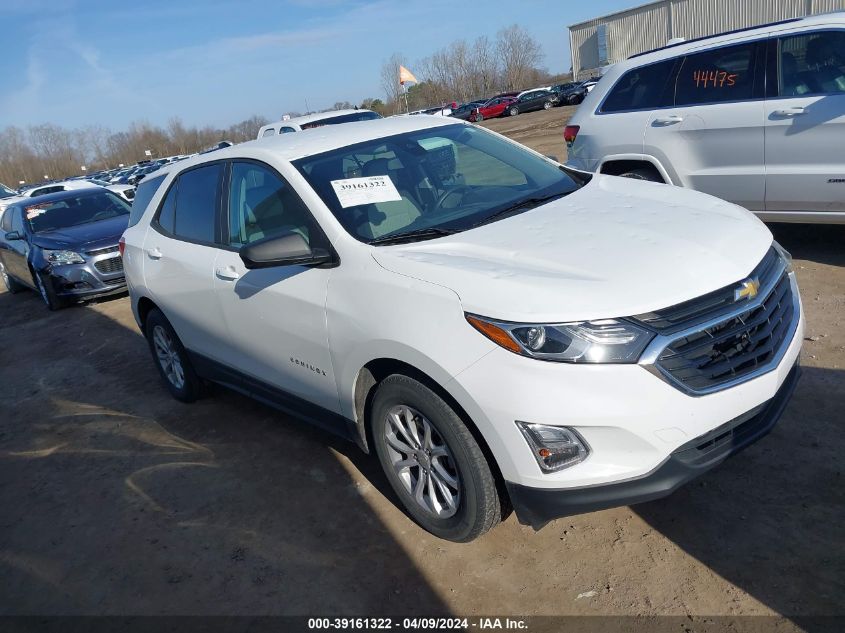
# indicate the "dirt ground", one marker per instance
pixel 116 499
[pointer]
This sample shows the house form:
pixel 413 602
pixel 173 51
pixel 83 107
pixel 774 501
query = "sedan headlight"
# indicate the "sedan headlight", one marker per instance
pixel 63 257
pixel 602 341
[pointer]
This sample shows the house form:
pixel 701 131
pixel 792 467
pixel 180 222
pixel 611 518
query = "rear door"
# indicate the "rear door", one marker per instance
pixel 15 252
pixel 711 139
pixel 180 249
pixel 276 317
pixel 805 123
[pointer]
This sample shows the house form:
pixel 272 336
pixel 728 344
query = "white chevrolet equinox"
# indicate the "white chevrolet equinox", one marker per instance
pixel 500 331
pixel 756 117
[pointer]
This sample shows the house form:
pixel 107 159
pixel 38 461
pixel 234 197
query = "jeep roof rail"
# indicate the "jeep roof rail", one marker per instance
pixel 715 35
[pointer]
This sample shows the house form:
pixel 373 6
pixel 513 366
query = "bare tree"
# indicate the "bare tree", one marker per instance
pixel 519 54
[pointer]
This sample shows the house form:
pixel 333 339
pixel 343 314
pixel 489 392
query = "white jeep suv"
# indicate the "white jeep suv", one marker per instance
pixel 498 330
pixel 756 117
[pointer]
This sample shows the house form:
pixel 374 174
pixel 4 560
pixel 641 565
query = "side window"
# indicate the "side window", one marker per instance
pixel 6 222
pixel 286 130
pixel 812 63
pixel 721 74
pixel 17 220
pixel 146 191
pixel 642 88
pixel 269 132
pixel 262 204
pixel 167 213
pixel 196 203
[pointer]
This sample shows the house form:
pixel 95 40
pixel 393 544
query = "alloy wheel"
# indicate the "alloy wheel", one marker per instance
pixel 422 462
pixel 5 276
pixel 168 357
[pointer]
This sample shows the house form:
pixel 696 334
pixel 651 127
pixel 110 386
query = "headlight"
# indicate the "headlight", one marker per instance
pixel 603 341
pixel 785 256
pixel 63 257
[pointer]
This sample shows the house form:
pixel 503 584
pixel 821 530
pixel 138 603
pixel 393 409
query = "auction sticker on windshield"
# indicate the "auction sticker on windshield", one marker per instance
pixel 372 189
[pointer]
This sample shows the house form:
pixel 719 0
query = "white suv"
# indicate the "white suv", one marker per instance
pixel 499 330
pixel 756 117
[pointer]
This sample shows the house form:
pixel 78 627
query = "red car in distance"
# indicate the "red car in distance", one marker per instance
pixel 493 108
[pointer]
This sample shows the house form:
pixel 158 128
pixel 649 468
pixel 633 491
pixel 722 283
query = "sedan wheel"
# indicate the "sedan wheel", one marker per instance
pixel 11 285
pixel 547 105
pixel 479 117
pixel 513 111
pixel 47 295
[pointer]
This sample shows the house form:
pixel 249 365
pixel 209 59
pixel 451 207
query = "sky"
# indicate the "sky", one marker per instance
pixel 215 62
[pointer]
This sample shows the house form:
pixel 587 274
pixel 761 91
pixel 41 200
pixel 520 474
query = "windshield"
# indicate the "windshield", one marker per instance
pixel 61 214
pixel 448 178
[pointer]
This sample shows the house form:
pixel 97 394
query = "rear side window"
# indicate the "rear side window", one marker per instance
pixel 812 63
pixel 269 132
pixel 146 191
pixel 721 74
pixel 196 203
pixel 642 88
pixel 6 222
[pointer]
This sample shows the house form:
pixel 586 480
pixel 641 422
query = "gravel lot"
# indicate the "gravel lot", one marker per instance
pixel 115 499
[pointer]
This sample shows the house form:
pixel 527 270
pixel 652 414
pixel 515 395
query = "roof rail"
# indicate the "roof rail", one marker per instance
pixel 708 37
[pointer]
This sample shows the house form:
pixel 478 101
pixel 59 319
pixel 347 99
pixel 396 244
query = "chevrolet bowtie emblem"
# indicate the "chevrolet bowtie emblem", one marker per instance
pixel 748 289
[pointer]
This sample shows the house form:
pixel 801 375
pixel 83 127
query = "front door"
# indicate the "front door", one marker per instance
pixel 276 317
pixel 805 125
pixel 16 253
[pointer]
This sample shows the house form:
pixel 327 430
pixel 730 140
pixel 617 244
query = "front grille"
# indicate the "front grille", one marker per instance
pixel 706 307
pixel 116 281
pixel 736 347
pixel 103 251
pixel 110 265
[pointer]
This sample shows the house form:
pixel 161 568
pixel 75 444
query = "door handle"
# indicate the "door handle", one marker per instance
pixel 790 112
pixel 672 119
pixel 154 253
pixel 228 273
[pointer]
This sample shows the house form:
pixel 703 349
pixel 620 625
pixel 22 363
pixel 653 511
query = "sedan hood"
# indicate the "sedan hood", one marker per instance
pixel 614 248
pixel 90 236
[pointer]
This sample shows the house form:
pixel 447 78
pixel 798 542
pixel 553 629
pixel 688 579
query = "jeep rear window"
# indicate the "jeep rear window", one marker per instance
pixel 344 118
pixel 642 88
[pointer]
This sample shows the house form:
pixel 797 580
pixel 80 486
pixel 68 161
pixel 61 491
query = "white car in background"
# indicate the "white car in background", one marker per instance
pixel 498 329
pixel 332 117
pixel 755 117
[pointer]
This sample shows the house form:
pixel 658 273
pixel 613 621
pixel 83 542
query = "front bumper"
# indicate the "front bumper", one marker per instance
pixel 538 506
pixel 87 281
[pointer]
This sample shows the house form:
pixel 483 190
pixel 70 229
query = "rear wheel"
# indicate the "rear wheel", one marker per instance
pixel 479 117
pixel 12 285
pixel 513 111
pixel 172 360
pixel 643 173
pixel 547 105
pixel 432 461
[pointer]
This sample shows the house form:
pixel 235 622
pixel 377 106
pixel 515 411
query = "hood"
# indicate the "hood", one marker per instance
pixel 616 247
pixel 84 237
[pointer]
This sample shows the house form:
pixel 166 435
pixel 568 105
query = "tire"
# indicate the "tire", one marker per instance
pixel 513 111
pixel 181 381
pixel 547 105
pixel 12 285
pixel 48 295
pixel 479 117
pixel 642 173
pixel 451 457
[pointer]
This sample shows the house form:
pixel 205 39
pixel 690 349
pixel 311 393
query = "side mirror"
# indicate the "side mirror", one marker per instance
pixel 13 235
pixel 289 249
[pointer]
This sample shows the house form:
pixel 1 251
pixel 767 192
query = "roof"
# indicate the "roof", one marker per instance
pixel 317 116
pixel 317 140
pixel 59 195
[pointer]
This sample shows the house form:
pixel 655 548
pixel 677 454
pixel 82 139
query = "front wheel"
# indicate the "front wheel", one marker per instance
pixel 432 461
pixel 48 295
pixel 513 111
pixel 547 105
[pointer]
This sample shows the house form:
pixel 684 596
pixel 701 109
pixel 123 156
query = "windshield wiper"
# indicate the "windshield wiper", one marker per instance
pixel 426 233
pixel 519 206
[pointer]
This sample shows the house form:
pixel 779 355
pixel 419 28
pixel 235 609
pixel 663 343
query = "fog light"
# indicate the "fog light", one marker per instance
pixel 554 447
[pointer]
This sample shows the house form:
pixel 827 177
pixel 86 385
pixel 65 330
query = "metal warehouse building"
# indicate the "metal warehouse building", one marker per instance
pixel 612 38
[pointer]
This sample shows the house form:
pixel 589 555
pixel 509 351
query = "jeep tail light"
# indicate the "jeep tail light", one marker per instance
pixel 121 245
pixel 570 132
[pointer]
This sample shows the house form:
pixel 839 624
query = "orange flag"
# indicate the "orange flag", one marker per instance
pixel 406 75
